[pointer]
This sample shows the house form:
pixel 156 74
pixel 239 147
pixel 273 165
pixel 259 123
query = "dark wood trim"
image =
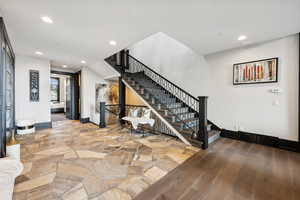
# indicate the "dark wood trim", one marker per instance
pixel 43 125
pixel 299 95
pixel 122 99
pixel 75 93
pixel 57 110
pixel 79 94
pixel 277 63
pixel 126 59
pixel 62 73
pixel 85 120
pixel 261 139
pixel 203 134
pixel 75 96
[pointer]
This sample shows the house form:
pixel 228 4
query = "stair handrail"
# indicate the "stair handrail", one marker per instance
pixel 164 78
pixel 107 60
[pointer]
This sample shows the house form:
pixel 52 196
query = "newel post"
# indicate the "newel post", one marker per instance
pixel 122 100
pixel 102 123
pixel 203 121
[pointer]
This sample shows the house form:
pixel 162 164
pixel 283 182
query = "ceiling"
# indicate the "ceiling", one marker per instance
pixel 82 29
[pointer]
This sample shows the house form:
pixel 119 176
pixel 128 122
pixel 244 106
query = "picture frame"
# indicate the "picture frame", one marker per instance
pixel 34 81
pixel 255 72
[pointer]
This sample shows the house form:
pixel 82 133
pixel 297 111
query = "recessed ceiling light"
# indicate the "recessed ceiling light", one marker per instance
pixel 39 53
pixel 83 62
pixel 242 37
pixel 64 66
pixel 113 43
pixel 47 19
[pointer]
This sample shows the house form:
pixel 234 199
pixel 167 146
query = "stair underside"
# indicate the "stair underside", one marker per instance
pixel 188 117
pixel 176 132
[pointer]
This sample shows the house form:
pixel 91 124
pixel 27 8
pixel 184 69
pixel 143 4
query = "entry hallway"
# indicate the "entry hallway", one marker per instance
pixel 75 161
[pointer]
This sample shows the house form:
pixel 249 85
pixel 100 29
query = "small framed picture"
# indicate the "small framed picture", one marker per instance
pixel 259 71
pixel 34 78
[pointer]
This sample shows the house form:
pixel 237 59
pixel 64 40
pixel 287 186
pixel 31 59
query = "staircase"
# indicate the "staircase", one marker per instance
pixel 184 114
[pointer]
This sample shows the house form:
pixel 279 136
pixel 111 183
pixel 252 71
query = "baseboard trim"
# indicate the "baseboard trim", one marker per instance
pixel 93 123
pixel 84 120
pixel 261 139
pixel 43 125
pixel 57 110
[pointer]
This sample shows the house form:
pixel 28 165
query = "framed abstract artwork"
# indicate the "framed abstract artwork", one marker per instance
pixel 259 71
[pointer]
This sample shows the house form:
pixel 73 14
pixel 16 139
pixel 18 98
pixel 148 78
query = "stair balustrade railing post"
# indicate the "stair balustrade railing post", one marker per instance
pixel 122 100
pixel 102 123
pixel 127 59
pixel 122 60
pixel 202 133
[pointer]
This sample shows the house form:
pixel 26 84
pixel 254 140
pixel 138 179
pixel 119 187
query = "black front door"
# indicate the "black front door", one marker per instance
pixel 72 95
pixel 68 98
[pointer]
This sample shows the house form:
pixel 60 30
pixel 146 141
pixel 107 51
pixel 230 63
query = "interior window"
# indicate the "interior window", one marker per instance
pixel 54 89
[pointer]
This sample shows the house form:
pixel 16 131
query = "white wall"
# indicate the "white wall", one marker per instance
pixel 248 108
pixel 252 108
pixel 175 61
pixel 104 70
pixel 132 98
pixel 38 111
pixel 89 78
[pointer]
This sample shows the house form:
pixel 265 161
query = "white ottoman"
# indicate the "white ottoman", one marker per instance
pixel 9 169
pixel 25 127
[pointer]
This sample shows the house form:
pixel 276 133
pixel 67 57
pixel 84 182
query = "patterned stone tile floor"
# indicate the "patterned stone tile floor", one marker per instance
pixel 76 161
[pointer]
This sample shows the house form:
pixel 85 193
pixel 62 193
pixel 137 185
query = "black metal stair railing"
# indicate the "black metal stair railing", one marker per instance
pixel 127 64
pixel 136 66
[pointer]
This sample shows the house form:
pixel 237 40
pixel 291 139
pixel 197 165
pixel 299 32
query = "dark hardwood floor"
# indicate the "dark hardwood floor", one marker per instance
pixel 232 170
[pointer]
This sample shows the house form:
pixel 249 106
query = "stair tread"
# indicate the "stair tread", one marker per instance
pixel 183 113
pixel 186 121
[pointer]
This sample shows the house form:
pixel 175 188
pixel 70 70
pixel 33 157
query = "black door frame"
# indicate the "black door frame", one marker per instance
pixel 299 95
pixel 5 43
pixel 75 92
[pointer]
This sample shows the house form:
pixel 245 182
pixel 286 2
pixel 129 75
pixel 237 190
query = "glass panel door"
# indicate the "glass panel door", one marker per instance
pixel 68 98
pixel 9 92
pixel 7 108
pixel 2 101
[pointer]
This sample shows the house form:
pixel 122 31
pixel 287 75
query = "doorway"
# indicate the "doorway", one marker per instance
pixel 65 97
